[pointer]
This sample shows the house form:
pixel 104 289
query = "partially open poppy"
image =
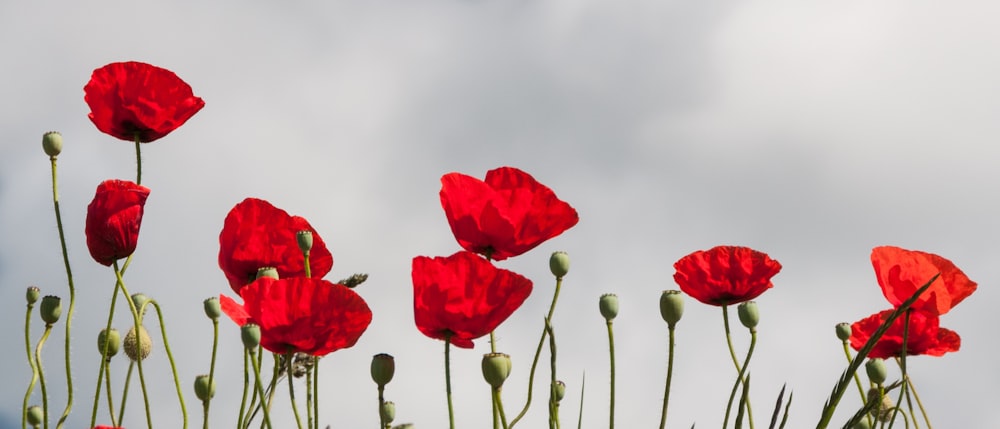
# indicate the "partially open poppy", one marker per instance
pixel 901 272
pixel 924 336
pixel 257 234
pixel 505 215
pixel 306 315
pixel 137 101
pixel 113 220
pixel 463 297
pixel 725 275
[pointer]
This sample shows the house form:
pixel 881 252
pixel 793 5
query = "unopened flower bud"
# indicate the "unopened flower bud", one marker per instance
pixel 383 368
pixel 883 410
pixel 50 309
pixel 609 306
pixel 35 415
pixel 843 331
pixel 212 308
pixel 137 347
pixel 32 294
pixel 52 143
pixel 267 272
pixel 671 306
pixel 110 339
pixel 559 264
pixel 388 411
pixel 861 424
pixel 496 368
pixel 140 300
pixel 204 388
pixel 875 368
pixel 250 333
pixel 559 390
pixel 305 240
pixel 749 314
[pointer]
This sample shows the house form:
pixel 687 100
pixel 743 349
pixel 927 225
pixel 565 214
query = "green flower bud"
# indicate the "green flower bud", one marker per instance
pixel 138 347
pixel 749 314
pixel 383 368
pixel 843 331
pixel 52 143
pixel 875 368
pixel 388 411
pixel 305 239
pixel 51 309
pixel 140 300
pixel 112 339
pixel 32 294
pixel 35 415
pixel 559 264
pixel 609 306
pixel 883 410
pixel 496 368
pixel 671 306
pixel 559 390
pixel 267 272
pixel 250 333
pixel 204 388
pixel 861 424
pixel 212 308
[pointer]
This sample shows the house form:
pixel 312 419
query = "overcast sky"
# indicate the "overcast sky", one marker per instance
pixel 812 131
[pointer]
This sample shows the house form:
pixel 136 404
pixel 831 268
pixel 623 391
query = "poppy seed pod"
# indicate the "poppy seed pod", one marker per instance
pixel 270 272
pixel 843 331
pixel 250 334
pixel 212 308
pixel 305 240
pixel 204 388
pixel 50 309
pixel 875 368
pixel 559 264
pixel 609 306
pixel 52 143
pixel 383 368
pixel 387 411
pixel 671 307
pixel 138 347
pixel 32 294
pixel 35 415
pixel 111 339
pixel 496 368
pixel 749 314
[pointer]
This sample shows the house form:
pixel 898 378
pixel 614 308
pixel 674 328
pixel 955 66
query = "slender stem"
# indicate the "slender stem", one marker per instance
pixel 732 354
pixel 499 406
pixel 260 386
pixel 381 401
pixel 72 294
pixel 128 381
pixel 670 373
pixel 104 357
pixel 917 397
pixel 857 381
pixel 315 387
pixel 41 373
pixel 138 161
pixel 902 367
pixel 741 380
pixel 170 357
pixel 611 346
pixel 111 402
pixel 583 388
pixel 289 357
pixel 309 396
pixel 246 385
pixel 447 380
pixel 553 401
pixel 31 362
pixel 211 371
pixel 137 325
pixel 538 351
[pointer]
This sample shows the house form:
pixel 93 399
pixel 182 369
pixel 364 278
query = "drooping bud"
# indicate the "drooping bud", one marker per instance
pixel 140 300
pixel 112 339
pixel 496 368
pixel 559 390
pixel 388 411
pixel 383 368
pixel 32 294
pixel 52 143
pixel 137 347
pixel 250 334
pixel 559 264
pixel 749 314
pixel 50 309
pixel 212 308
pixel 305 240
pixel 35 415
pixel 204 388
pixel 671 306
pixel 843 331
pixel 609 306
pixel 267 272
pixel 875 368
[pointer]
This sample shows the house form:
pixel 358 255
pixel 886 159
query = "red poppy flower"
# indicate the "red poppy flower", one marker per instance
pixel 138 101
pixel 925 337
pixel 506 215
pixel 113 219
pixel 725 275
pixel 257 234
pixel 464 296
pixel 901 272
pixel 301 314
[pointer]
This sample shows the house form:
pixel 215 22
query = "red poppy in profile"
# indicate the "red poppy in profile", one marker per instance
pixel 137 101
pixel 463 296
pixel 301 314
pixel 901 272
pixel 925 337
pixel 725 275
pixel 113 219
pixel 257 235
pixel 506 215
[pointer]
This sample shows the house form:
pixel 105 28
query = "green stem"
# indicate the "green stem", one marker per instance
pixel 289 357
pixel 447 380
pixel 211 370
pixel 611 345
pixel 246 385
pixel 128 382
pixel 111 402
pixel 499 406
pixel 381 401
pixel 920 404
pixel 72 294
pixel 741 380
pixel 553 401
pixel 260 387
pixel 902 367
pixel 538 352
pixel 138 161
pixel 670 373
pixel 41 373
pixel 31 362
pixel 857 381
pixel 315 387
pixel 137 324
pixel 732 354
pixel 583 388
pixel 170 357
pixel 309 396
pixel 104 358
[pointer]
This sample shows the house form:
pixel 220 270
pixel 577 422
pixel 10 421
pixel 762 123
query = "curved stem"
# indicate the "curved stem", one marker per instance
pixel 732 354
pixel 31 362
pixel 538 351
pixel 291 388
pixel 72 294
pixel 670 373
pixel 173 365
pixel 41 373
pixel 137 325
pixel 260 387
pixel 499 406
pixel 104 358
pixel 611 345
pixel 741 380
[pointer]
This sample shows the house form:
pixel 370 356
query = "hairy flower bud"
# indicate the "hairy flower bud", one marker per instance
pixel 609 306
pixel 749 314
pixel 138 347
pixel 50 309
pixel 212 308
pixel 383 368
pixel 204 388
pixel 843 331
pixel 32 294
pixel 111 339
pixel 496 368
pixel 52 143
pixel 671 307
pixel 875 368
pixel 559 264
